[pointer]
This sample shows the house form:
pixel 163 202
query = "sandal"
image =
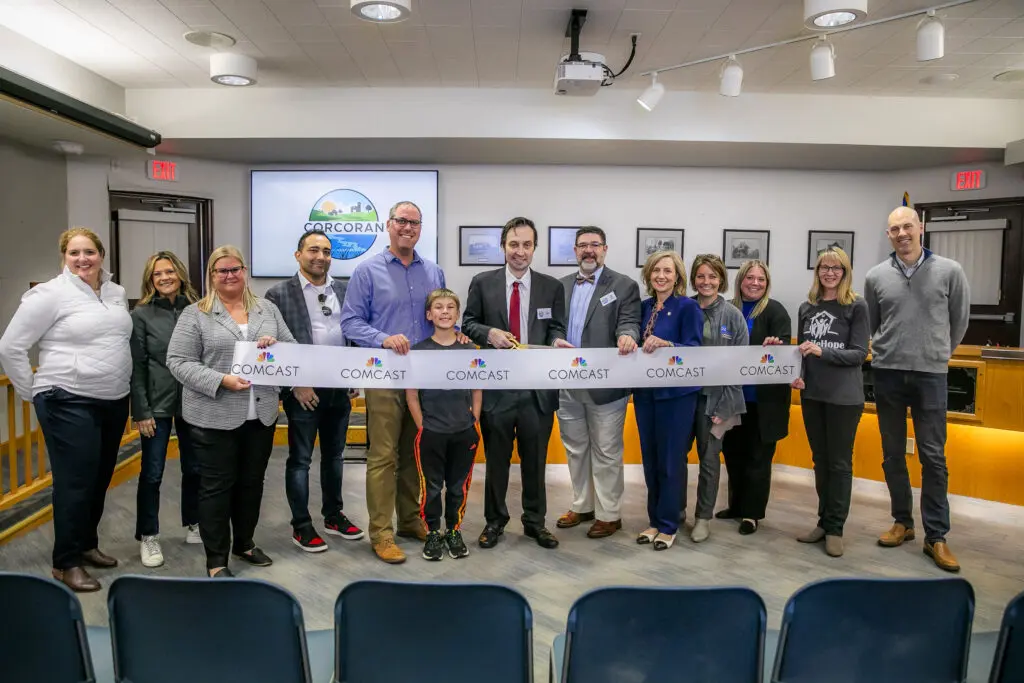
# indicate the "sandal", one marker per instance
pixel 664 541
pixel 647 536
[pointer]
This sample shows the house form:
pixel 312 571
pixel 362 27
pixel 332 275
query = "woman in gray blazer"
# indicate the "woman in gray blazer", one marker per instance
pixel 232 420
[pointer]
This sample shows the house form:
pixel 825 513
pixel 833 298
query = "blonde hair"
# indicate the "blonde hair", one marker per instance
pixel 680 284
pixel 149 290
pixel 71 233
pixel 845 295
pixel 227 251
pixel 442 293
pixel 737 300
pixel 714 263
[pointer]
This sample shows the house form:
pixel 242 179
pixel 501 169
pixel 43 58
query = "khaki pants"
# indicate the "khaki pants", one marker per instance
pixel 392 481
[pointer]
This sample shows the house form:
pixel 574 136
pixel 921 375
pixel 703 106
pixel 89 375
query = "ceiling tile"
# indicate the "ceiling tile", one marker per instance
pixel 296 12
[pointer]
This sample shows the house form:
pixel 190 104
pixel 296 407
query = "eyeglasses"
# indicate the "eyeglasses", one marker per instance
pixel 324 308
pixel 590 245
pixel 223 273
pixel 839 270
pixel 402 222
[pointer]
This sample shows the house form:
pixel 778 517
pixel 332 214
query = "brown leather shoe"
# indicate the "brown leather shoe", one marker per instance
pixel 77 579
pixel 601 529
pixel 942 556
pixel 571 519
pixel 896 536
pixel 96 558
pixel 418 532
pixel 389 552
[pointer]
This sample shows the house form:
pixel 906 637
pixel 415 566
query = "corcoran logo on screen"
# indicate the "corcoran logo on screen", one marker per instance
pixel 350 220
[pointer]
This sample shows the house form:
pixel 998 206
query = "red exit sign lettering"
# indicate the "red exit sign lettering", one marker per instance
pixel 967 180
pixel 162 170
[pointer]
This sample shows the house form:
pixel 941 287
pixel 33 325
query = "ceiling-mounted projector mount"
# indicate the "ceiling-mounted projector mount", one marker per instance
pixel 580 74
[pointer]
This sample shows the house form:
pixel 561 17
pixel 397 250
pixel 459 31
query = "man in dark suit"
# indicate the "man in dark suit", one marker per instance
pixel 507 307
pixel 603 312
pixel 310 303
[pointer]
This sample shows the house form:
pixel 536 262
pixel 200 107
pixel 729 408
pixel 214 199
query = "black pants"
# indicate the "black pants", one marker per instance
pixel 154 457
pixel 83 436
pixel 531 429
pixel 232 464
pixel 330 420
pixel 445 461
pixel 831 430
pixel 748 460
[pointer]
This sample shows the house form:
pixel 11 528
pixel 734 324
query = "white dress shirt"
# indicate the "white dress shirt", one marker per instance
pixel 524 301
pixel 326 329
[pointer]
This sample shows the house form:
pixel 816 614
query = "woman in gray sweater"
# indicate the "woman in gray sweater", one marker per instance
pixel 833 338
pixel 718 408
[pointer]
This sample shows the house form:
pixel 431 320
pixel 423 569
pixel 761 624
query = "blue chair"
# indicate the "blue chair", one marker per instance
pixel 42 632
pixel 168 630
pixel 876 631
pixel 389 632
pixel 667 635
pixel 1008 664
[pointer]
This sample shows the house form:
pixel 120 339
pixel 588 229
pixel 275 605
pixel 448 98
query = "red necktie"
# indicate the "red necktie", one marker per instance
pixel 513 312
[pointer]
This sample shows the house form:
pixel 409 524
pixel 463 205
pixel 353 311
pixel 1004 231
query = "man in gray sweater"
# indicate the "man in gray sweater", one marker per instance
pixel 918 309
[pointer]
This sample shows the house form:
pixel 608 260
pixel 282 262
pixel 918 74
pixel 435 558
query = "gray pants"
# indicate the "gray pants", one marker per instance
pixel 925 394
pixel 709 451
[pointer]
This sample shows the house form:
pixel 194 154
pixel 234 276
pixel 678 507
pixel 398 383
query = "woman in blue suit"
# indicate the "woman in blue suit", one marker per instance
pixel 664 417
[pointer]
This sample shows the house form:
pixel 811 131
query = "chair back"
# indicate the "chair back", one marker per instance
pixel 42 632
pixel 169 630
pixel 668 635
pixel 876 631
pixel 1008 664
pixel 387 632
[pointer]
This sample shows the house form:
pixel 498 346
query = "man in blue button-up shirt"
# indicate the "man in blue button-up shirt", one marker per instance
pixel 384 308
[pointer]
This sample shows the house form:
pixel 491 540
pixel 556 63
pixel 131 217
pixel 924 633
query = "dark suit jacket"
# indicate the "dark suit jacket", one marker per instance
pixel 486 309
pixel 773 400
pixel 680 322
pixel 603 325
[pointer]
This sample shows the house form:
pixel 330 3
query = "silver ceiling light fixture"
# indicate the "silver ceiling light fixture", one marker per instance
pixel 649 98
pixel 731 79
pixel 825 15
pixel 931 38
pixel 228 68
pixel 382 11
pixel 823 59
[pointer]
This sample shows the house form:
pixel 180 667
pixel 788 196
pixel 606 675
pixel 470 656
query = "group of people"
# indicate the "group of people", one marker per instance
pixel 172 355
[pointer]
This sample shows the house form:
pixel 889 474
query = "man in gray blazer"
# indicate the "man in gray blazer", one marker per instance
pixel 507 307
pixel 310 303
pixel 603 312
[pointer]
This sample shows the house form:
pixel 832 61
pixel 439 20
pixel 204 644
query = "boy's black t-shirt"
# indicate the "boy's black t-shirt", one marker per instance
pixel 445 411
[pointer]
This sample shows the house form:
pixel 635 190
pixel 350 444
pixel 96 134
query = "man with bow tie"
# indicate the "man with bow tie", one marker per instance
pixel 604 312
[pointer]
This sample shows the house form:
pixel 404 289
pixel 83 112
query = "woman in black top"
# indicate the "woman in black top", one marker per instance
pixel 833 335
pixel 750 447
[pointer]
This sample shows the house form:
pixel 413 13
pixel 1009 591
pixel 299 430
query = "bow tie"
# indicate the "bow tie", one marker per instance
pixel 581 278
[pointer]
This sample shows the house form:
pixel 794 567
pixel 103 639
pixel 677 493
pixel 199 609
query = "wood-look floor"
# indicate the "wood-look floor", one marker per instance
pixel 987 537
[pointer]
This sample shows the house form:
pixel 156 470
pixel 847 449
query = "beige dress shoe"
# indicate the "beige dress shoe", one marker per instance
pixel 834 545
pixel 896 536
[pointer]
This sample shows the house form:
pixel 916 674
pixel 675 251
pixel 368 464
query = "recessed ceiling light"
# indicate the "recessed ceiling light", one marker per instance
pixel 210 39
pixel 227 68
pixel 821 15
pixel 1009 76
pixel 939 79
pixel 382 11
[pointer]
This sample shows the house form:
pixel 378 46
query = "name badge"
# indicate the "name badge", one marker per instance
pixel 608 298
pixel 543 314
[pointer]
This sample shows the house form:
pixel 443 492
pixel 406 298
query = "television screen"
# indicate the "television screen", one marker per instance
pixel 350 206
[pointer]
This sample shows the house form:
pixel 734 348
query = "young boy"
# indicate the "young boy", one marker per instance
pixel 447 438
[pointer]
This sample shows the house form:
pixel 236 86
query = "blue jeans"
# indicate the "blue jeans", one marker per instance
pixel 154 456
pixel 330 419
pixel 925 394
pixel 664 428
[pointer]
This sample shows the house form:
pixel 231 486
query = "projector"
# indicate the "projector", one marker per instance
pixel 580 77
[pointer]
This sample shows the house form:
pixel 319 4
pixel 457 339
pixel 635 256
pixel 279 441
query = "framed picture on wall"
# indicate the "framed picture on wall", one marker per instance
pixel 743 245
pixel 561 245
pixel 650 240
pixel 820 240
pixel 480 245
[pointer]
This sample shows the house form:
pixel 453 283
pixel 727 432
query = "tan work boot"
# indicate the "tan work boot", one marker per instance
pixel 942 556
pixel 896 536
pixel 389 552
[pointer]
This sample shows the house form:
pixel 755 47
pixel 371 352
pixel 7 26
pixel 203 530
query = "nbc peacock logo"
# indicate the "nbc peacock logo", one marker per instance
pixel 477 363
pixel 265 357
pixel 767 359
pixel 579 362
pixel 374 362
pixel 675 360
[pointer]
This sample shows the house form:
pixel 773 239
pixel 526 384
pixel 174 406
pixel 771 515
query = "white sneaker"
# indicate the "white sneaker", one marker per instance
pixel 150 551
pixel 701 530
pixel 192 535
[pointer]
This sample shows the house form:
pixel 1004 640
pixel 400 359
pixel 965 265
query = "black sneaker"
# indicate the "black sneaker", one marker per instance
pixel 433 549
pixel 255 557
pixel 456 546
pixel 340 525
pixel 309 540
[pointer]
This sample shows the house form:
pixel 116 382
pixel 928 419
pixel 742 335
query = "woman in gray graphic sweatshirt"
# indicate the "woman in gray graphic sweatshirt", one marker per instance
pixel 718 408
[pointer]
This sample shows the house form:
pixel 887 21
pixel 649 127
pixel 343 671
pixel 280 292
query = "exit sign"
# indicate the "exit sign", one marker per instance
pixel 967 180
pixel 162 170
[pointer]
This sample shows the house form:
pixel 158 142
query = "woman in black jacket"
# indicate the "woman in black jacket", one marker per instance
pixel 749 448
pixel 156 402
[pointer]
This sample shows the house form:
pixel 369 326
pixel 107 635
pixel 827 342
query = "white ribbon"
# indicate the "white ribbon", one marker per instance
pixel 306 365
